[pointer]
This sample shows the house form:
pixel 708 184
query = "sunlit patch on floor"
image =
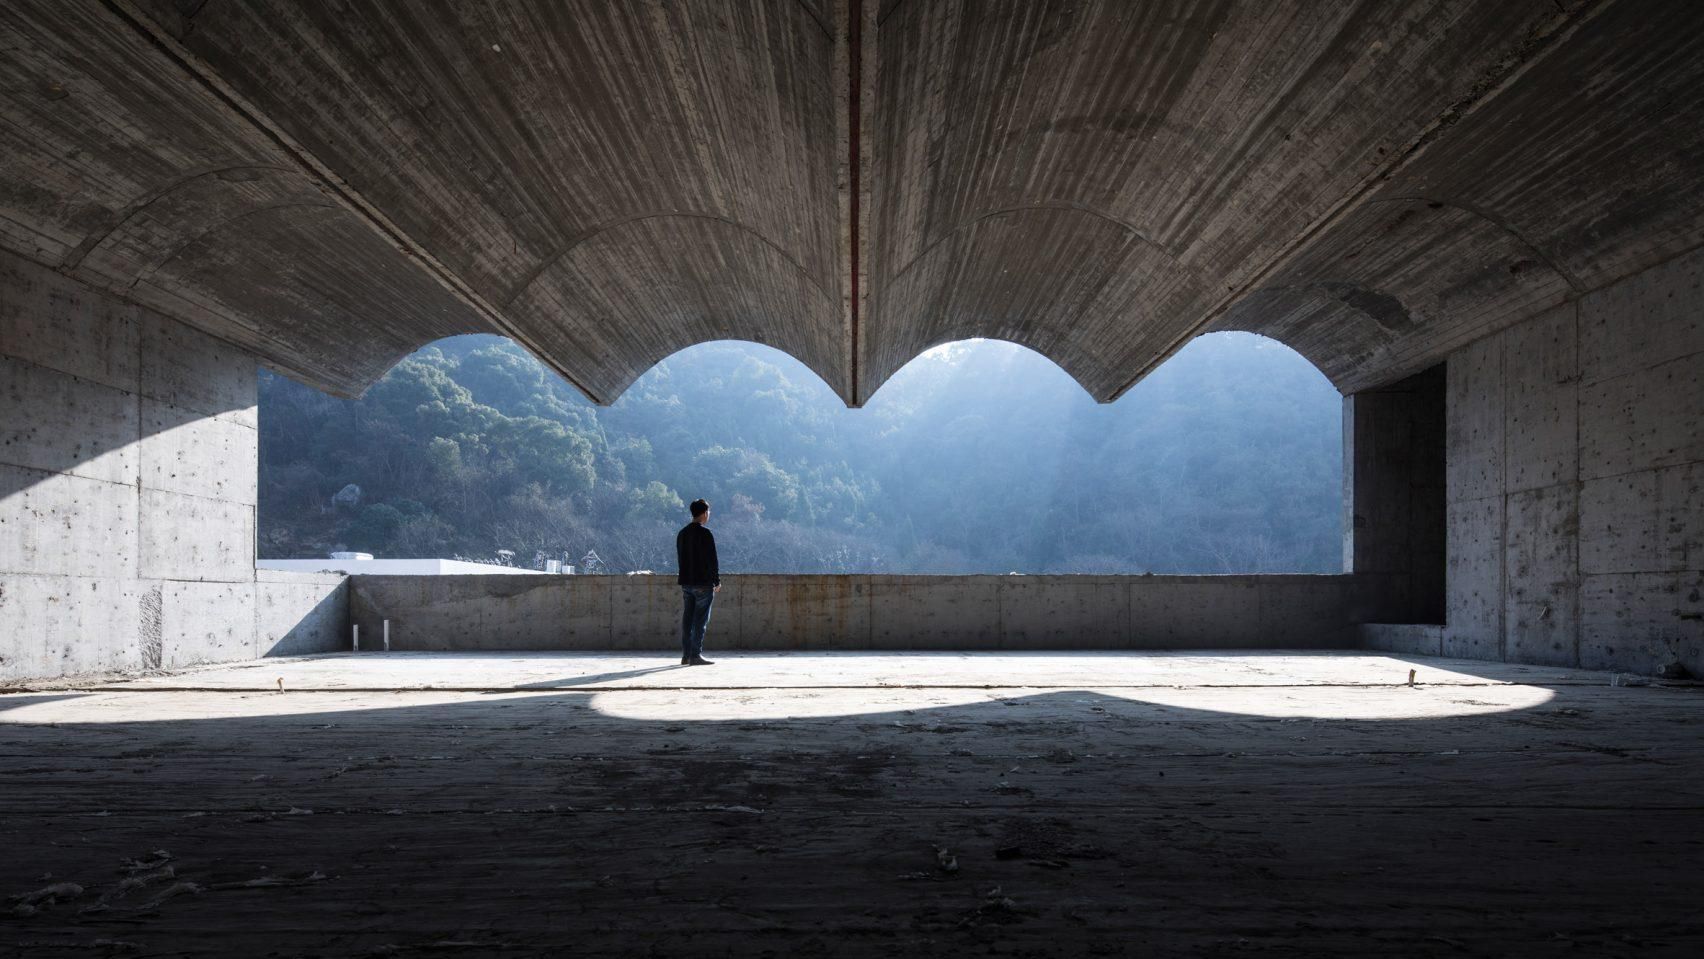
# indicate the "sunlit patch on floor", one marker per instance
pixel 778 686
pixel 893 804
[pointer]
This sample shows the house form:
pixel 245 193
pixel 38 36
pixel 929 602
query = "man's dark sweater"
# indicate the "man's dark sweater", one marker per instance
pixel 695 548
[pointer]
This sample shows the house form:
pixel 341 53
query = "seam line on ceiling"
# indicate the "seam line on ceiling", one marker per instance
pixel 588 235
pixel 1574 286
pixel 854 148
pixel 1060 205
pixel 812 14
pixel 147 273
pixel 148 198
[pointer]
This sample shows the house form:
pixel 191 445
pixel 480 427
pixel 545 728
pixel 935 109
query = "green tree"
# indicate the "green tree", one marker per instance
pixel 654 501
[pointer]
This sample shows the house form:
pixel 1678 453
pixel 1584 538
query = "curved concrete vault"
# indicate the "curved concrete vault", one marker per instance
pixel 852 181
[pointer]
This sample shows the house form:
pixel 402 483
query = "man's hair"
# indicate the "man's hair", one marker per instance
pixel 699 507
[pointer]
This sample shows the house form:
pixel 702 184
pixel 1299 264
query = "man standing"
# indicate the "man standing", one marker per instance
pixel 700 580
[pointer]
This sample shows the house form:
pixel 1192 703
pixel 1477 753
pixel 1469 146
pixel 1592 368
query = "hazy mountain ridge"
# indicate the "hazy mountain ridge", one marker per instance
pixel 977 457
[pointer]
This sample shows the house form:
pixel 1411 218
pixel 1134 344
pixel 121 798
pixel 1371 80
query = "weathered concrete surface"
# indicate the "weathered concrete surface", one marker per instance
pixel 1117 804
pixel 127 493
pixel 299 613
pixel 858 612
pixel 206 622
pixel 1514 186
pixel 1148 670
pixel 70 625
pixel 1420 639
pixel 1576 520
pixel 851 181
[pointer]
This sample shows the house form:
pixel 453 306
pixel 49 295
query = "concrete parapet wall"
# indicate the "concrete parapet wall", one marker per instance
pixel 299 613
pixel 1425 639
pixel 858 612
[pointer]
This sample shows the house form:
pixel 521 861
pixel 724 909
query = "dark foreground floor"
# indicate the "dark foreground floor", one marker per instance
pixel 1303 805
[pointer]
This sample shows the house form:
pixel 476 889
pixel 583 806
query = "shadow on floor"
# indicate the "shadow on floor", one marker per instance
pixel 596 678
pixel 1063 823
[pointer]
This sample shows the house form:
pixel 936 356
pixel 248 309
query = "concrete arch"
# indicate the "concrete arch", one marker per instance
pixel 340 332
pixel 1290 315
pixel 282 180
pixel 1061 279
pixel 672 354
pixel 1274 342
pixel 1066 370
pixel 1575 285
pixel 1398 285
pixel 668 351
pixel 618 301
pixel 156 226
pixel 1062 205
pixel 587 236
pixel 257 254
pixel 967 337
pixel 396 357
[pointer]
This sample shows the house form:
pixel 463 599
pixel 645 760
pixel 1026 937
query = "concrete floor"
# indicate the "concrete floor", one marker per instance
pixel 1294 804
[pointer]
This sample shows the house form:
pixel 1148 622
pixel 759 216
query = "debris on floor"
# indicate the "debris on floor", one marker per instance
pixel 265 882
pixel 945 860
pixel 996 907
pixel 1184 807
pixel 29 903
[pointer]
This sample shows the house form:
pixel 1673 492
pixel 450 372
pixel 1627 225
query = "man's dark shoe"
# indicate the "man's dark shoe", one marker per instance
pixel 686 661
pixel 701 661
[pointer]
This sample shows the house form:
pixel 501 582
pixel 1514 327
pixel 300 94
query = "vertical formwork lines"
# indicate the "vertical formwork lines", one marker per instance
pixel 1503 496
pixel 1574 383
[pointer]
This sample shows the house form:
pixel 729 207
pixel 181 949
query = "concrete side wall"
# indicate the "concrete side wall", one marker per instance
pixel 1576 481
pixel 127 492
pixel 858 612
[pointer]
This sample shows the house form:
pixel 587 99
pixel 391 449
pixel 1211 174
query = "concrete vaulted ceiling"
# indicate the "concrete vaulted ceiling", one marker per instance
pixel 332 185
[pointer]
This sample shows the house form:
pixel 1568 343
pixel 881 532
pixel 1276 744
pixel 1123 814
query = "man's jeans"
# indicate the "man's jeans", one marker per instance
pixel 694 618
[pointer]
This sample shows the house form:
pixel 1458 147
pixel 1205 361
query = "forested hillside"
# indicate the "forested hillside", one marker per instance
pixel 977 457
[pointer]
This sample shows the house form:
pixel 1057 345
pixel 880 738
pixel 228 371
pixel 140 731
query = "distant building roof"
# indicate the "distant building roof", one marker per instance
pixel 365 564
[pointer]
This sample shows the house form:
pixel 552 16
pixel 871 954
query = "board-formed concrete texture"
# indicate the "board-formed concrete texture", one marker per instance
pixel 1483 220
pixel 852 181
pixel 844 804
pixel 127 493
pixel 1576 481
pixel 1513 191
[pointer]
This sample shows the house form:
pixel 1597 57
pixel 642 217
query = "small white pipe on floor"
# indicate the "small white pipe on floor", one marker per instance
pixel 357 630
pixel 387 635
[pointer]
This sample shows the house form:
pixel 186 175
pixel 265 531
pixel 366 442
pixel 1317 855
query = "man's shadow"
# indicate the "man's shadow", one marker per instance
pixel 592 679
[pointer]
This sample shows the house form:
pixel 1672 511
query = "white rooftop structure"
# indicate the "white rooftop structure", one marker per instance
pixel 367 565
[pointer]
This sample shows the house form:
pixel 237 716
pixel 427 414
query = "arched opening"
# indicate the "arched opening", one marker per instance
pixel 1226 460
pixel 978 456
